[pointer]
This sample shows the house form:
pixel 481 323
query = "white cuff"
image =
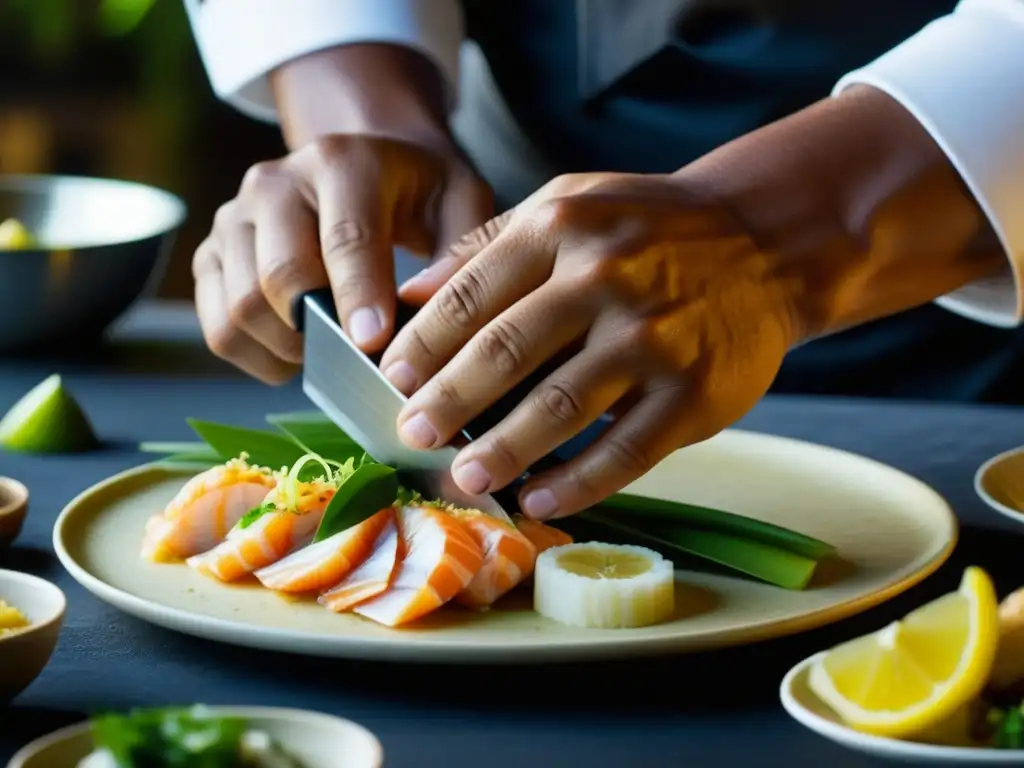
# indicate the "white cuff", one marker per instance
pixel 242 41
pixel 961 78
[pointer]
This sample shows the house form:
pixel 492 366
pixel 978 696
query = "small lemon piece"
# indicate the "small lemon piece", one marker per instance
pixel 603 585
pixel 915 673
pixel 15 237
pixel 47 420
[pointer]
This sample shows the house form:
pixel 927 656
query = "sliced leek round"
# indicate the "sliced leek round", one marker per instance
pixel 603 585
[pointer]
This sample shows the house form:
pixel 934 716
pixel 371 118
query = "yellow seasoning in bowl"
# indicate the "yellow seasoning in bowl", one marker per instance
pixel 11 619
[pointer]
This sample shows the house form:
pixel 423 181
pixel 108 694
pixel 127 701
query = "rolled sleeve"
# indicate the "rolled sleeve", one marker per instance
pixel 962 77
pixel 242 41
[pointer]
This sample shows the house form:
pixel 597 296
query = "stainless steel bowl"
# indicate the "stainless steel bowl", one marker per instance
pixel 105 244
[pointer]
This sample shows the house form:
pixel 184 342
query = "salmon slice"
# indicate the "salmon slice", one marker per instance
pixel 439 560
pixel 205 509
pixel 322 565
pixel 269 538
pixel 508 558
pixel 542 536
pixel 372 577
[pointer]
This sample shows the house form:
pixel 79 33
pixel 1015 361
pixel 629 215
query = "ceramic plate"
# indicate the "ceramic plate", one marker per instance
pixel 890 529
pixel 800 702
pixel 1000 483
pixel 318 740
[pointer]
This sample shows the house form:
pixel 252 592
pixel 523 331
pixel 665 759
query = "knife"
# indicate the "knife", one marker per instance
pixel 346 384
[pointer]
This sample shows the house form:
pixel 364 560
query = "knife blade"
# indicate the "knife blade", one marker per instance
pixel 346 384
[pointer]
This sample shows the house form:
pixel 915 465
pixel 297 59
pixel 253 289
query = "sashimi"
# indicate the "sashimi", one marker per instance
pixel 322 565
pixel 372 577
pixel 287 520
pixel 508 558
pixel 439 559
pixel 543 537
pixel 205 509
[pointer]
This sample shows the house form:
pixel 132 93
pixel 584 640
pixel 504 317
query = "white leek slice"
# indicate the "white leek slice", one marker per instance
pixel 604 585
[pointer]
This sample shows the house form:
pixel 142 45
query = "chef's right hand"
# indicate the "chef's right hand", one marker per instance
pixel 329 213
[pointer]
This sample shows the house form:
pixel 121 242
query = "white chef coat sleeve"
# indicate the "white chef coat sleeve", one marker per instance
pixel 242 41
pixel 962 77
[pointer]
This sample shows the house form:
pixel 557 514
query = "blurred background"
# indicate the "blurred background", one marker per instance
pixel 115 88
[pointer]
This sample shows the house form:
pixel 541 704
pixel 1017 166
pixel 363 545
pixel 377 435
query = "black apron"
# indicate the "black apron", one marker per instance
pixel 650 85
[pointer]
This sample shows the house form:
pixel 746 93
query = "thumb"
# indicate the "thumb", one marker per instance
pixel 464 228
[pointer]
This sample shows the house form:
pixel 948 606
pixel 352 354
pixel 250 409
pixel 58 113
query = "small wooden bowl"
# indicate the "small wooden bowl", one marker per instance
pixel 13 509
pixel 25 652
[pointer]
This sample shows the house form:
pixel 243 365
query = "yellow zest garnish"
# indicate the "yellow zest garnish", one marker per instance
pixel 291 489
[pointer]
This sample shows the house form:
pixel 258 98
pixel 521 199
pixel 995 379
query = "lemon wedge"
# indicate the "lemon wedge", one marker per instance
pixel 603 585
pixel 47 419
pixel 15 237
pixel 915 673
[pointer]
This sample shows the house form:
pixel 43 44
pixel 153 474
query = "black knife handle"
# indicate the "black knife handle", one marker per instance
pixel 482 423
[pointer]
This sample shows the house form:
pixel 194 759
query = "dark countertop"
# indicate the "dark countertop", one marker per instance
pixel 714 709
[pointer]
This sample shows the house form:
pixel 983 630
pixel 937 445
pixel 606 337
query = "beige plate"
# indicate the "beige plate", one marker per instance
pixel 890 529
pixel 318 740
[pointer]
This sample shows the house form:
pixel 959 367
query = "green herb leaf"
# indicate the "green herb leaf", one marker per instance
pixel 762 561
pixel 255 514
pixel 637 508
pixel 265 449
pixel 1010 733
pixel 317 434
pixel 370 489
pixel 169 737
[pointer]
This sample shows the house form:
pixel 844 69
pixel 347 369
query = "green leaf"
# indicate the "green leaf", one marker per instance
pixel 370 489
pixel 317 434
pixel 169 737
pixel 255 514
pixel 755 558
pixel 637 508
pixel 265 449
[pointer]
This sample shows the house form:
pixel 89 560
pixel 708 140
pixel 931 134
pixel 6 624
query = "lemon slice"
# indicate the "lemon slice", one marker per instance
pixel 603 585
pixel 47 420
pixel 917 672
pixel 15 237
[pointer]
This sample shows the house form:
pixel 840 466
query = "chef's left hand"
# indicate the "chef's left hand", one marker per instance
pixel 672 311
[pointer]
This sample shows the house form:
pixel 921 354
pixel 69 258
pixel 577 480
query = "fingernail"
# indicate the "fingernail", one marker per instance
pixel 364 325
pixel 540 504
pixel 472 478
pixel 402 376
pixel 418 432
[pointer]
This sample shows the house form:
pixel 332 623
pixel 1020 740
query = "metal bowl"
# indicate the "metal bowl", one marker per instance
pixel 105 244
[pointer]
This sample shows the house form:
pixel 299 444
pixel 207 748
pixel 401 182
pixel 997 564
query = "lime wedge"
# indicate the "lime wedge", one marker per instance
pixel 47 420
pixel 14 236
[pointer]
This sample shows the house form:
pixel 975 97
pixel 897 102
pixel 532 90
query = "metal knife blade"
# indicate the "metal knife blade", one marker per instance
pixel 348 387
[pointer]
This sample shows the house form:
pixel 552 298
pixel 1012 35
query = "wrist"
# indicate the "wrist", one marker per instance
pixel 369 89
pixel 859 211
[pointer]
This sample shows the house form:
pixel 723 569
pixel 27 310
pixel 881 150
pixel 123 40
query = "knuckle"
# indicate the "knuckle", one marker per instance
pixel 279 276
pixel 261 177
pixel 205 260
pixel 503 347
pixel 247 306
pixel 460 300
pixel 449 394
pixel 561 401
pixel 223 340
pixel 326 150
pixel 343 237
pixel 628 456
pixel 226 215
pixel 556 213
pixel 506 455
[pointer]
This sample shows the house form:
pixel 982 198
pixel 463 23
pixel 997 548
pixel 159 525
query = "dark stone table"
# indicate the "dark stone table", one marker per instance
pixel 714 709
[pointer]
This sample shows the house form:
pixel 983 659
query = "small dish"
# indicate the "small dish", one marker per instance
pixel 27 651
pixel 316 739
pixel 999 482
pixel 13 509
pixel 806 708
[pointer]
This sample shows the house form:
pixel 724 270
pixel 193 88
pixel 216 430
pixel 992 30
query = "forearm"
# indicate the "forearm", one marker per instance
pixel 862 211
pixel 376 89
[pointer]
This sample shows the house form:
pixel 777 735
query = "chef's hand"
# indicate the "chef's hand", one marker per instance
pixel 677 297
pixel 373 166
